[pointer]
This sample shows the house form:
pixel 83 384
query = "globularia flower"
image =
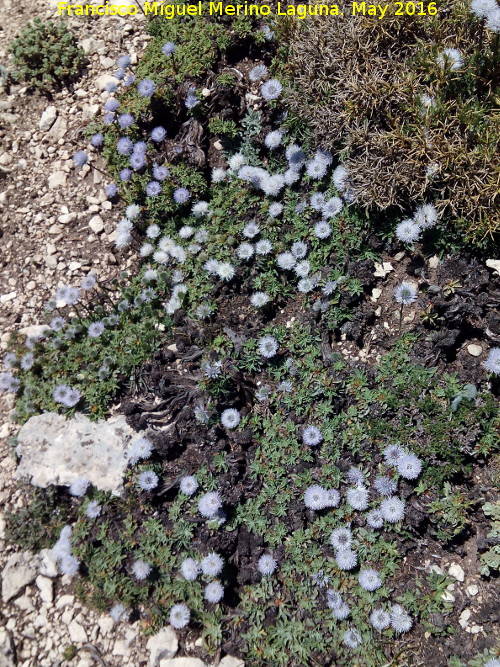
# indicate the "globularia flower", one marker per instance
pixel 69 565
pixel 272 185
pixel 141 569
pixel 316 169
pixel 80 158
pixel 493 20
pixel 141 448
pixel 125 120
pixel 146 88
pixel 116 612
pixel 275 210
pixel 66 395
pixel 385 486
pixel 392 454
pixel 111 190
pixel 299 249
pixel 245 250
pixel 181 195
pixel 257 73
pixel 316 497
pixel 93 509
pixel 332 207
pixel 124 61
pixel 267 564
pixel 492 361
pixel 352 638
pixel 230 418
pixel 405 293
pixel 263 393
pixel 153 188
pixel 341 538
pixel 210 504
pixel 355 476
pixel 263 247
pixel 225 271
pixel 369 580
pixel 481 8
pixel 426 216
pixel 380 619
pixel 409 466
pixel 160 172
pixel 97 139
pixel 259 299
pixel 271 90
pixel 375 519
pixel 179 616
pixel 333 498
pixel 450 58
pixel 191 100
pixel 190 569
pixel 111 87
pixel 137 160
pixel 214 592
pixel 95 329
pixel 311 436
pixel 188 485
pixel 268 346
pixel 78 487
pixel 322 229
pixel 158 133
pixel 125 174
pixel 273 139
pixel 27 361
pixel 302 268
pixel 218 175
pixel 408 231
pixel 392 509
pixel 357 497
pixel 286 261
pixel 212 565
pixel 306 285
pixel 341 612
pixel 400 620
pixel 250 230
pixel 147 480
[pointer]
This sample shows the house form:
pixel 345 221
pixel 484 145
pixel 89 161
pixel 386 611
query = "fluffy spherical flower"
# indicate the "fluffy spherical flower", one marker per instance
pixel 188 485
pixel 311 436
pixel 352 638
pixel 141 569
pixel 158 133
pixel 132 211
pixel 126 120
pixel 316 497
pixel 346 559
pixel 492 362
pixel 426 216
pixel 218 175
pixel 66 395
pixel 272 185
pixel 93 509
pixel 263 247
pixel 408 231
pixel 116 612
pixel 271 89
pixel 451 59
pixel 316 169
pixel 333 498
pixel 267 564
pixel 257 73
pixel 406 293
pixel 355 476
pixel 80 158
pixel 69 565
pixel 95 329
pixel 160 172
pixel 341 538
pixel 78 487
pixel 375 519
pixel 268 346
pixel 141 448
pixel 27 361
pixel 250 230
pixel 146 88
pixel 302 268
pixel 190 569
pixel 385 486
pixel 147 480
pixel 273 139
pixel 214 592
pixel 493 20
pixel 392 454
pixel 137 160
pixel 482 8
pixel 125 174
pixel 369 580
pixel 341 611
pixel 400 620
pixel 380 619
pixel 168 48
pixel 392 509
pixel 286 261
pixel 275 210
pixel 181 195
pixel 409 466
pixel 306 285
pixel 97 139
pixel 153 188
pixel 245 250
pixel 212 565
pixel 179 616
pixel 332 207
pixel 111 190
pixel 230 418
pixel 210 504
pixel 322 229
pixel 357 497
pixel 259 299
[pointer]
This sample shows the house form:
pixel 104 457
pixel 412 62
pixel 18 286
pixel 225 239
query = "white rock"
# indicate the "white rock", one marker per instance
pixel 34 331
pixel 474 350
pixel 376 294
pixel 162 645
pixel 456 571
pixel 464 618
pixel 56 180
pixel 7 649
pixel 45 587
pixel 448 596
pixel 56 450
pixel 25 603
pixel 475 629
pixel 6 159
pixel 434 262
pixel 58 130
pixel 47 118
pixel 8 297
pixel 19 571
pixel 493 264
pixel 381 270
pixel 96 224
pixel 105 623
pixel 102 81
pixel 472 590
pixel 65 601
pixel 182 662
pixel 91 45
pixel 231 661
pixel 77 632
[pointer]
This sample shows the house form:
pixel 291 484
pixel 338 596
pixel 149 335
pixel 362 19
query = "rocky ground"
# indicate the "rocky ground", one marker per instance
pixel 57 226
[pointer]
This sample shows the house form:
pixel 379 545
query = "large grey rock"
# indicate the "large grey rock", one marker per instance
pixel 182 662
pixel 161 646
pixel 231 661
pixel 7 649
pixel 19 571
pixel 55 450
pixel 47 118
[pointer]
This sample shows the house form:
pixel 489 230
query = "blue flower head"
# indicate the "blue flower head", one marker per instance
pixel 168 48
pixel 80 158
pixel 146 88
pixel 158 133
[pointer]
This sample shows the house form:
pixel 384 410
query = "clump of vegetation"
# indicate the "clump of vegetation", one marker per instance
pixel 491 557
pixel 46 55
pixel 415 119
